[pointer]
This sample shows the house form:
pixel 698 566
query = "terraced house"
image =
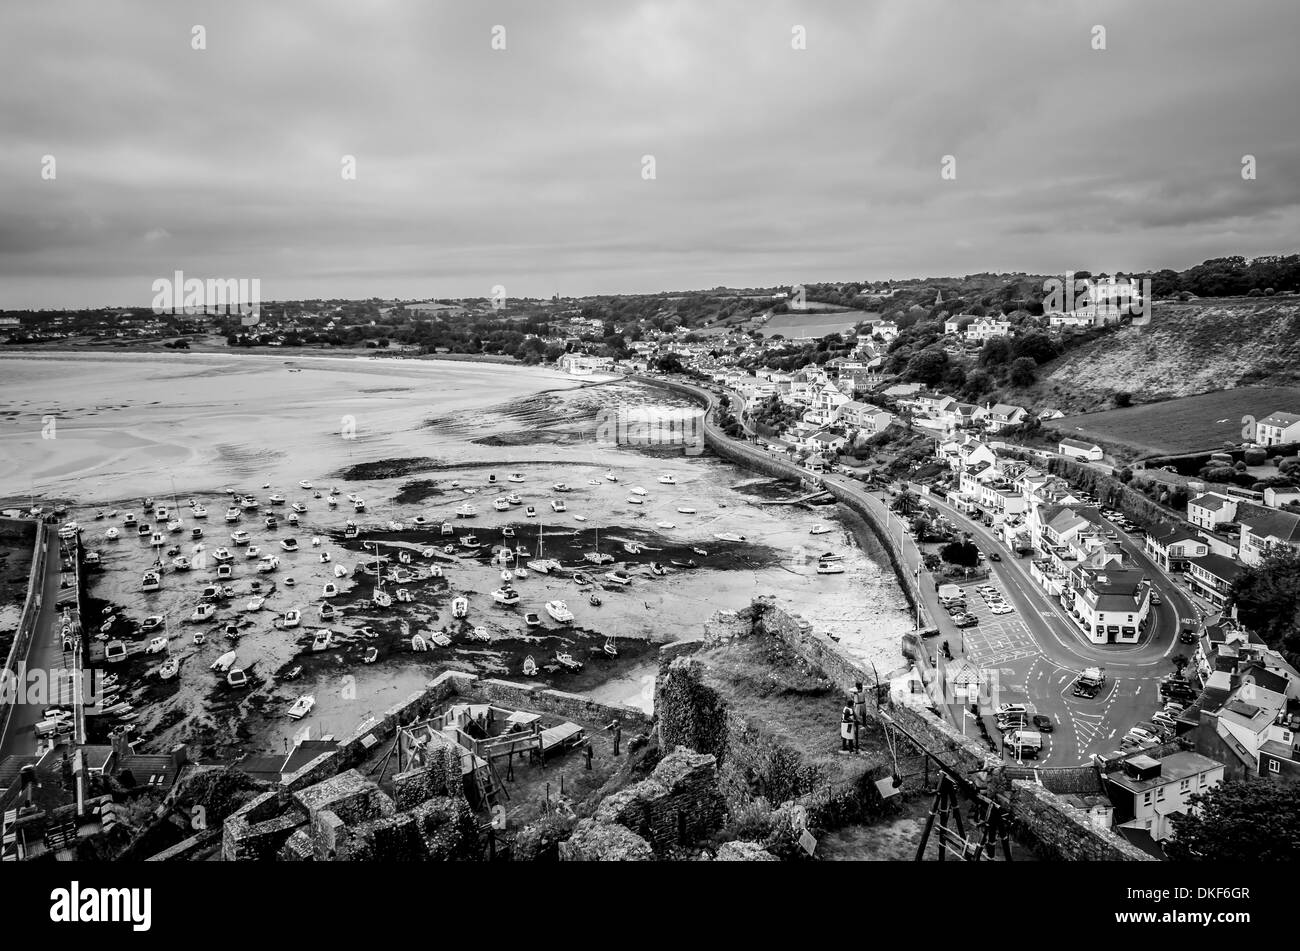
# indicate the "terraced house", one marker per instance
pixel 1263 530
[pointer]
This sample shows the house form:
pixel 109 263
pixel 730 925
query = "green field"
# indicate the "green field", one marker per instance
pixel 814 325
pixel 1189 424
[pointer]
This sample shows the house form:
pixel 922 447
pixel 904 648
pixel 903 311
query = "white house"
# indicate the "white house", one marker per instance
pixel 1110 604
pixel 986 328
pixel 1005 415
pixel 1277 428
pixel 1148 791
pixel 1210 510
pixel 1263 529
pixel 1276 496
pixel 865 417
pixel 1078 449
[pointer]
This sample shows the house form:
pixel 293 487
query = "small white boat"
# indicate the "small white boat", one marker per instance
pixel 543 566
pixel 419 644
pixel 301 707
pixel 557 505
pixel 299 508
pixel 255 604
pixel 637 490
pixel 333 501
pixel 277 499
pixel 507 597
pixel 729 537
pixel 150 581
pixel 609 647
pixel 565 660
pixel 199 512
pixel 492 478
pixel 636 500
pixel 224 662
pixel 579 518
pixel 196 533
pixel 830 568
pixel 169 668
pixel 322 639
pixel 111 534
pixel 182 563
pixel 222 554
pixel 521 572
pixel 460 607
pixel 632 548
pixel 561 487
pixel 479 634
pixel 530 667
pixel 253 553
pixel 340 571
pixel 665 525
pixel 152 623
pixel 175 525
pixel 609 476
pixel 359 505
pixel 440 639
pixel 820 529
pixel 304 484
pixel 157 539
pixel 501 504
pixel 237 678
pixel 618 576
pixel 686 510
pixel 370 656
pixel 559 611
pixel 530 512
pixel 240 537
pixel 232 514
pixel 506 574
pixel 156 646
pixel 204 612
pixel 289 544
pixel 404 596
pixel 292 618
pixel 668 479
pixel 466 511
pixel 268 564
pixel 329 590
pixel 515 477
pixel 326 611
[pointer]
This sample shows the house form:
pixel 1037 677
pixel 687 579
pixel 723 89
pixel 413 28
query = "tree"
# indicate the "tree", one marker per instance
pixel 1267 597
pixel 669 363
pixel 927 367
pixel 1243 821
pixel 1022 372
pixel 1123 398
pixel 1180 662
pixel 962 554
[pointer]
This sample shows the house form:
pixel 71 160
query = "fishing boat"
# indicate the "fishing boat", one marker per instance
pixel 557 505
pixel 559 611
pixel 469 540
pixel 609 476
pixel 332 501
pixel 329 590
pixel 322 639
pixel 507 532
pixel 299 508
pixel 248 503
pixel 565 660
pixel 143 529
pixel 530 667
pixel 150 581
pixel 657 569
pixel 515 477
pixel 561 487
pixel 302 706
pixel 668 479
pixel 460 607
pixel 292 618
pixel 277 499
pixel 501 504
pixel 198 511
pixel 293 518
pixel 157 539
pixel 819 529
pixel 326 611
pixel 830 567
pixel 196 533
pixel 204 612
pixel 255 604
pixel 506 597
pixel 632 548
pixel 152 623
pixel 111 534
pixel 618 576
pixel 268 564
pixel 404 596
pixel 272 523
pixel 253 553
pixel 530 512
pixel 224 662
pixel 237 678
pixel 129 520
pixel 240 537
pixel 222 555
pixel 156 646
pixel 466 511
pixel 181 564
pixel 350 530
pixel 169 668
pixel 359 505
pixel 114 651
pixel 289 544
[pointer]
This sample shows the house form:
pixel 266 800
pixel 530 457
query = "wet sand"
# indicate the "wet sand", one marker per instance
pixel 442 423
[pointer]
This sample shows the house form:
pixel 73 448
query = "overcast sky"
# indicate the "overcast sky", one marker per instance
pixel 522 167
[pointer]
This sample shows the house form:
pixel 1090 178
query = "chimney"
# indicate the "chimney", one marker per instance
pixel 121 746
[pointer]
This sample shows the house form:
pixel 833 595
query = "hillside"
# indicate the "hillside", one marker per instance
pixel 1187 348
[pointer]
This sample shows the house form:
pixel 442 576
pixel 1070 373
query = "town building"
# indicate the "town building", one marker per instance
pixel 1077 449
pixel 1277 428
pixel 1147 791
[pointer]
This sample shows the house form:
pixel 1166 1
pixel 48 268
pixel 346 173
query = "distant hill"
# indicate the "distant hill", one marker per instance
pixel 1188 348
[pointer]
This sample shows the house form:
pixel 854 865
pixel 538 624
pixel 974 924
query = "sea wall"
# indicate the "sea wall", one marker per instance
pixel 23 531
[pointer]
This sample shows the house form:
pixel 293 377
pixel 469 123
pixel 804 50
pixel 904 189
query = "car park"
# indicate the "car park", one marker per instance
pixel 1142 733
pixel 1164 720
pixel 965 620
pixel 1173 709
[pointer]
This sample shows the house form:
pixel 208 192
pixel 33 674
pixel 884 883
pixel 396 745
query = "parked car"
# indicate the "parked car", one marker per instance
pixel 994 556
pixel 1187 637
pixel 1042 724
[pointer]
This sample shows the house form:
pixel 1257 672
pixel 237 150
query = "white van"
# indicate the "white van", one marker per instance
pixel 1025 742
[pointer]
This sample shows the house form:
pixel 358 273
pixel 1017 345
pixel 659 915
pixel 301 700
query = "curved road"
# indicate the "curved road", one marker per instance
pixel 1037 650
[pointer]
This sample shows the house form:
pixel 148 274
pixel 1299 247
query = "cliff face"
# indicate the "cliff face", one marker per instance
pixel 1186 349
